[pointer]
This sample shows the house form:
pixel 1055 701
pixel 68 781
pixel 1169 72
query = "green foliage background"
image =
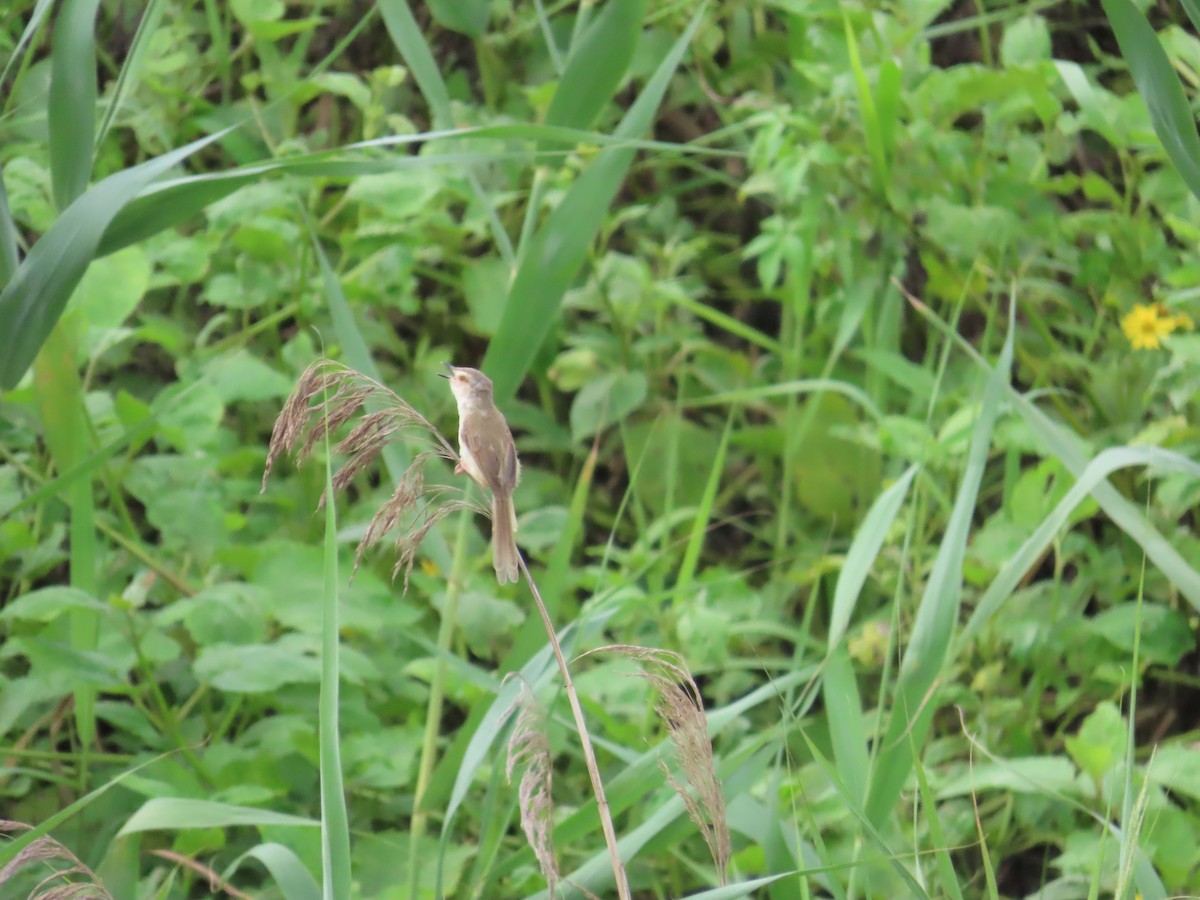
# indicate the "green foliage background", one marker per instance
pixel 808 319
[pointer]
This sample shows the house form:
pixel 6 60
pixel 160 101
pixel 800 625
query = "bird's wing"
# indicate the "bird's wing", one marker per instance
pixel 493 451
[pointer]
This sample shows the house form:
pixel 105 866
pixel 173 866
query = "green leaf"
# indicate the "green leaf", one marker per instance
pixel 469 17
pixel 1026 40
pixel 1159 86
pixel 50 603
pixel 255 668
pixel 1165 635
pixel 605 401
pixel 1100 744
pixel 112 288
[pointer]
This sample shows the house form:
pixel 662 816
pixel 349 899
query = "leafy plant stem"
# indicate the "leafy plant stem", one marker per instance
pixel 589 755
pixel 437 696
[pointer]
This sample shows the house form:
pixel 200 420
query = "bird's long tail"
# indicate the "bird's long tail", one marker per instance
pixel 504 544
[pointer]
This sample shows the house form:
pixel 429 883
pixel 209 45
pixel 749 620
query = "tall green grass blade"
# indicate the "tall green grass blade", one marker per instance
pixel 147 26
pixel 182 813
pixel 286 868
pixel 788 388
pixel 867 543
pixel 71 110
pixel 847 726
pixel 941 855
pixel 937 614
pixel 557 567
pixel 866 104
pixel 406 35
pixel 335 822
pixel 59 393
pixel 1094 474
pixel 10 256
pixel 469 17
pixel 1192 8
pixel 34 299
pixel 1159 86
pixel 743 889
pixel 691 553
pixel 864 819
pixel 597 64
pixel 558 249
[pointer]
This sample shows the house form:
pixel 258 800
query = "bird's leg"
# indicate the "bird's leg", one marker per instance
pixel 458 469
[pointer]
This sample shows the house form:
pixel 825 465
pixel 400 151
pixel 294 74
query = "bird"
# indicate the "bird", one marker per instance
pixel 488 454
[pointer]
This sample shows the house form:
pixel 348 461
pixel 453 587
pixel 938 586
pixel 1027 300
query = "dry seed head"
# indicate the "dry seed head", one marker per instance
pixel 680 707
pixel 327 395
pixel 46 850
pixel 529 748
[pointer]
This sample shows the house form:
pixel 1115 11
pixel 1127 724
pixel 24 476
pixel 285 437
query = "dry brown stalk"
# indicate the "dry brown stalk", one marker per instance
pixel 681 708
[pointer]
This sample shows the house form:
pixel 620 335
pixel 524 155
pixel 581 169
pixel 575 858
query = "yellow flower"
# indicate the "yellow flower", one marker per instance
pixel 1148 323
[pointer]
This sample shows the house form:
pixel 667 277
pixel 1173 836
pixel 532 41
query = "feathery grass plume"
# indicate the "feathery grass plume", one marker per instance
pixel 46 850
pixel 528 748
pixel 326 397
pixel 681 709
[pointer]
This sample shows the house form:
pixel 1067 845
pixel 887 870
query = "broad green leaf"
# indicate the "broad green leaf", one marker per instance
pixel 1028 775
pixel 1100 743
pixel 605 401
pixel 255 668
pixel 49 603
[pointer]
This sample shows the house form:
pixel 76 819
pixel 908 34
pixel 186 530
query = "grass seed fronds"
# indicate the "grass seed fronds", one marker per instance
pixel 680 707
pixel 327 396
pixel 529 749
pixel 46 850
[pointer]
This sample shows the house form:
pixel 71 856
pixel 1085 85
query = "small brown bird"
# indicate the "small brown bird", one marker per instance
pixel 487 453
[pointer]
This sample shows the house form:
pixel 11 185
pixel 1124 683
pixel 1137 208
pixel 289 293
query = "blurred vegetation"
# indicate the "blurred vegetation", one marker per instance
pixel 849 349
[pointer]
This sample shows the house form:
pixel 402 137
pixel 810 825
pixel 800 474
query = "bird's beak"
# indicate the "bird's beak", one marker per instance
pixel 448 366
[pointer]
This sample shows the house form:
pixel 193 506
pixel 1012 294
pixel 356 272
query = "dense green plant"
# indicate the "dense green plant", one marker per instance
pixel 849 351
